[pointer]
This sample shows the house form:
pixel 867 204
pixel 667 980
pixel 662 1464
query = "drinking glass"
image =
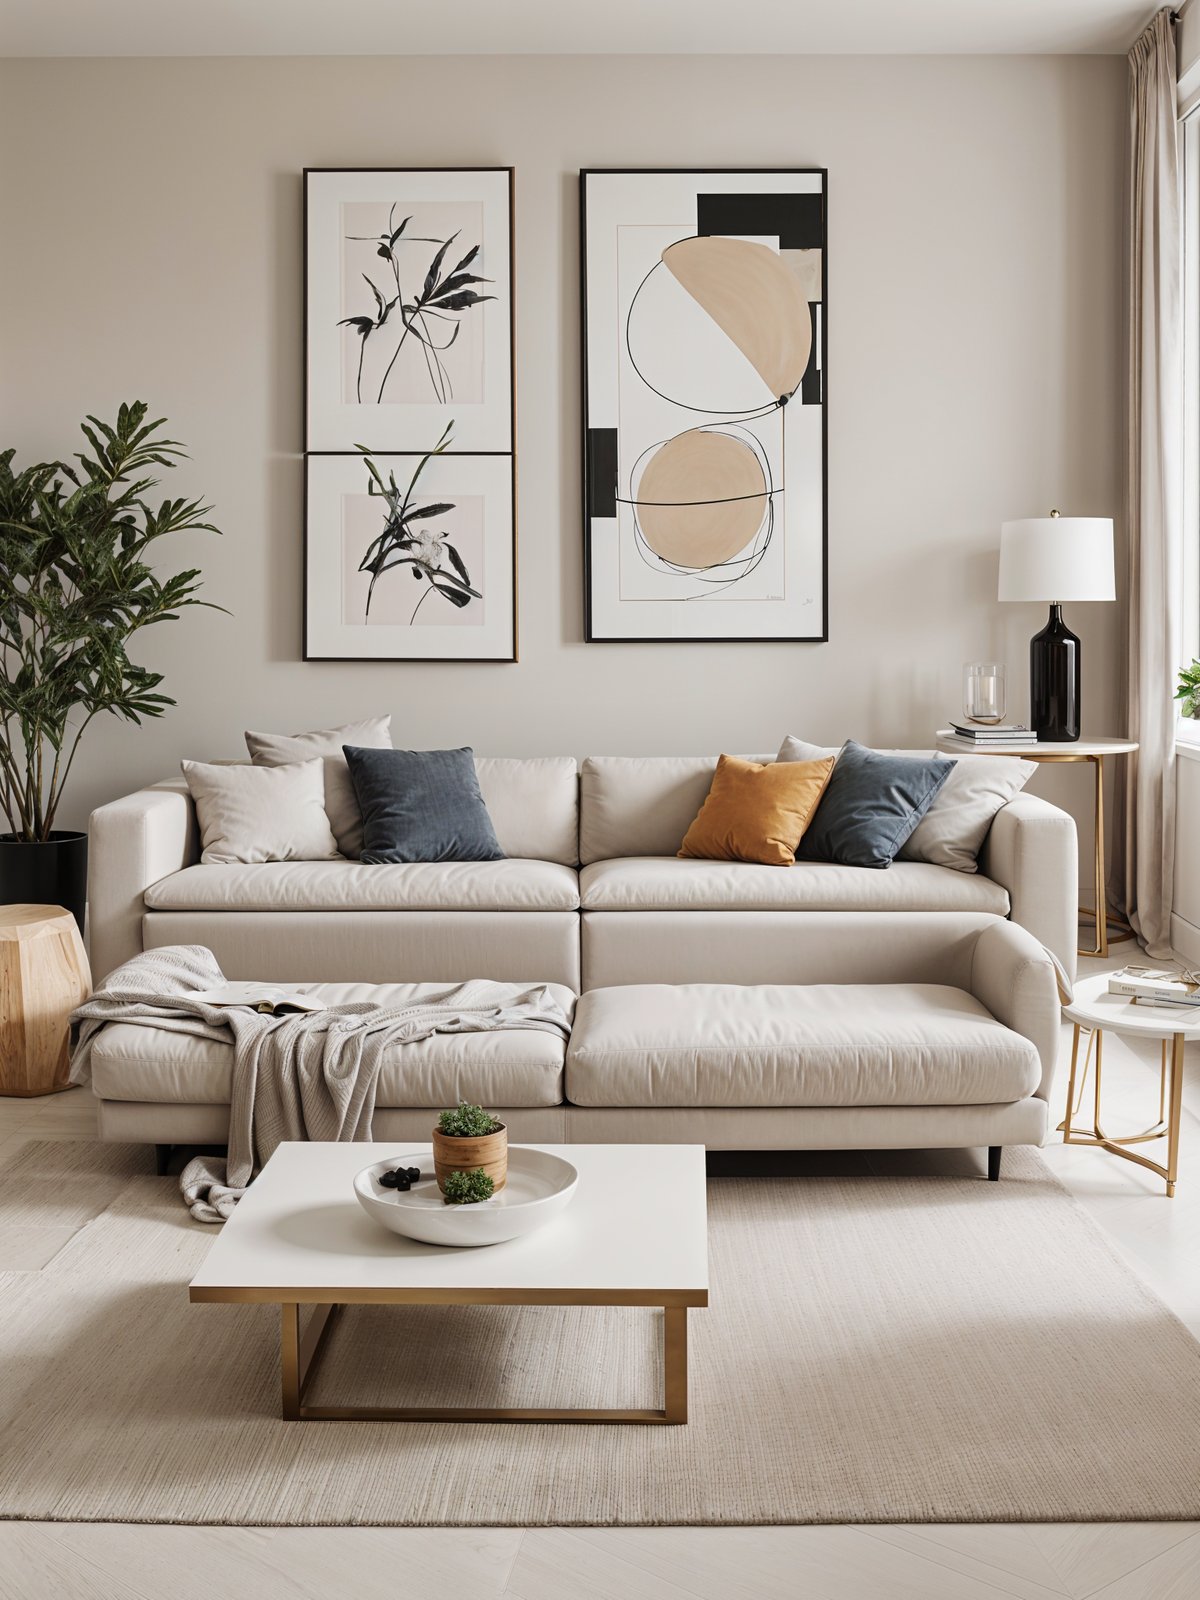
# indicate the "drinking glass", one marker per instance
pixel 983 691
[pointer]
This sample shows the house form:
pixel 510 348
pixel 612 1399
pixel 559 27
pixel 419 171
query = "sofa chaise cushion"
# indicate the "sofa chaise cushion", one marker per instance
pixel 782 1045
pixel 657 883
pixel 519 1067
pixel 359 886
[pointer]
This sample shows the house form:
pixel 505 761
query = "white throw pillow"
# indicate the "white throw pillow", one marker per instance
pixel 952 831
pixel 341 803
pixel 252 814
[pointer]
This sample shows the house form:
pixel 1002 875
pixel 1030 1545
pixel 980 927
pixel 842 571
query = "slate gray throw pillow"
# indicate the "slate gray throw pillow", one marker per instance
pixel 953 830
pixel 421 805
pixel 870 806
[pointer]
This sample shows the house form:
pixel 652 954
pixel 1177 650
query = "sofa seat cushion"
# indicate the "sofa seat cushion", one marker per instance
pixel 517 1067
pixel 658 883
pixel 793 1045
pixel 360 886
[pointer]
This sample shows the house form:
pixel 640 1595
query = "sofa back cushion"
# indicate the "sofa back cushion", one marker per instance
pixel 534 805
pixel 640 805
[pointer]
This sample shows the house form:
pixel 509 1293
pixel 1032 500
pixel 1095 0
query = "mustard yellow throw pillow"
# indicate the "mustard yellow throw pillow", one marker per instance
pixel 757 812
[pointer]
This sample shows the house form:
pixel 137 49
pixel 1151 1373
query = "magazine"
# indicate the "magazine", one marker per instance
pixel 263 997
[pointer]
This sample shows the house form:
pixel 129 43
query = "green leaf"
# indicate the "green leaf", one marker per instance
pixel 74 590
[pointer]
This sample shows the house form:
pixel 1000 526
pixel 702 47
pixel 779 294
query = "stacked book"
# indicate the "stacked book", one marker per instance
pixel 1155 986
pixel 1000 735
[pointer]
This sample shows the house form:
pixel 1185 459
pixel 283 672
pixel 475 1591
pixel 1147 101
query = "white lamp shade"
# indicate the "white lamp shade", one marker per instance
pixel 1057 558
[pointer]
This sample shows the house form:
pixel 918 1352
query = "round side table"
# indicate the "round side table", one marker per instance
pixel 1092 751
pixel 1094 1011
pixel 44 975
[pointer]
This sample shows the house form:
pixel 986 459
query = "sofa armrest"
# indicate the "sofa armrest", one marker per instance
pixel 1031 849
pixel 1015 979
pixel 133 842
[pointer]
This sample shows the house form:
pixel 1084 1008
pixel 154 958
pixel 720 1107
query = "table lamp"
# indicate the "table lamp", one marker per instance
pixel 1056 559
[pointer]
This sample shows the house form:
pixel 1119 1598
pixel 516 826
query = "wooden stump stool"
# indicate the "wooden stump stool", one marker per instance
pixel 44 975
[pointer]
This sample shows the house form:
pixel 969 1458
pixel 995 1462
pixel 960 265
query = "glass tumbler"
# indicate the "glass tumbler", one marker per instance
pixel 983 691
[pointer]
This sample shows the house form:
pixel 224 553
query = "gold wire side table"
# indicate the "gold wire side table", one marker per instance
pixel 1092 751
pixel 1094 1011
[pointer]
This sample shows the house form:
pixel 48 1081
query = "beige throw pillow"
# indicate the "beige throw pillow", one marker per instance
pixel 253 814
pixel 952 831
pixel 341 803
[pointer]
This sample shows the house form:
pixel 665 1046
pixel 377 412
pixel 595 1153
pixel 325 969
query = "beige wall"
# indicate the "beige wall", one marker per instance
pixel 152 214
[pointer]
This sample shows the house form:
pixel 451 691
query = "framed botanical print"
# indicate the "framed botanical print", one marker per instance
pixel 705 369
pixel 408 308
pixel 409 558
pixel 410 528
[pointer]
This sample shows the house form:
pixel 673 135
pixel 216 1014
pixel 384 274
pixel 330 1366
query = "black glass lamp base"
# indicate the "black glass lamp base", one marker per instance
pixel 1054 656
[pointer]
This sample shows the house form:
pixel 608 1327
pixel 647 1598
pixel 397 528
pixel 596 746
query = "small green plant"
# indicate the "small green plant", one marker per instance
pixel 467 1188
pixel 468 1122
pixel 1188 692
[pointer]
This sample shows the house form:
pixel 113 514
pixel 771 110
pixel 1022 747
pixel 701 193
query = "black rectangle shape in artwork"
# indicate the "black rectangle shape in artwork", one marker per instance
pixel 810 384
pixel 796 220
pixel 602 472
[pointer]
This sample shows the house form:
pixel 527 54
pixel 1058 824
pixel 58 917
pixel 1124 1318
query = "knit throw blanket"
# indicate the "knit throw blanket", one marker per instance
pixel 308 1075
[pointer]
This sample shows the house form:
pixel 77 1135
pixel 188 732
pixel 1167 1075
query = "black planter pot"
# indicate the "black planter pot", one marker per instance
pixel 50 874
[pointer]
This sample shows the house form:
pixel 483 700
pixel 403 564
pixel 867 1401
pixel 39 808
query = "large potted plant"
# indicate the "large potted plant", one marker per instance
pixel 75 586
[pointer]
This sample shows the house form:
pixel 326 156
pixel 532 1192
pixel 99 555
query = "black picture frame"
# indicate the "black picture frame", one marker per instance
pixel 603 460
pixel 313 453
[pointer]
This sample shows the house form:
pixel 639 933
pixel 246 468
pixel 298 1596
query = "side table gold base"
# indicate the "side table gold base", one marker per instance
pixel 1170 1102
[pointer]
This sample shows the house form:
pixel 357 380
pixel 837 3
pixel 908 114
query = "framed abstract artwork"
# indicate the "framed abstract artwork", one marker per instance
pixel 410 527
pixel 409 558
pixel 704 375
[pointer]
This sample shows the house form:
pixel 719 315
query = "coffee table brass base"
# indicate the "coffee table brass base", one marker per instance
pixel 1170 1102
pixel 300 1356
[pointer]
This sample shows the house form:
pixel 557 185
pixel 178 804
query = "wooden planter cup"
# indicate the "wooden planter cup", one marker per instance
pixel 487 1153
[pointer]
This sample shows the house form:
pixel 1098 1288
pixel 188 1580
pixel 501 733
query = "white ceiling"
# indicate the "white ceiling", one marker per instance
pixel 566 27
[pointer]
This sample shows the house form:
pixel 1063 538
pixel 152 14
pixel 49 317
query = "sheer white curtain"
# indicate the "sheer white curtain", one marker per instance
pixel 1154 513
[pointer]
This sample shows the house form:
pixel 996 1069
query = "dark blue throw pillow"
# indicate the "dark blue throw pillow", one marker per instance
pixel 871 804
pixel 421 805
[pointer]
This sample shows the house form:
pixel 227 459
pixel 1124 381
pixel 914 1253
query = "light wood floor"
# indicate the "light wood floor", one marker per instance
pixel 1132 1561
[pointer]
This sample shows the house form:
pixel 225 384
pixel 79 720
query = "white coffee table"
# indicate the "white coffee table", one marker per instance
pixel 636 1234
pixel 1094 1011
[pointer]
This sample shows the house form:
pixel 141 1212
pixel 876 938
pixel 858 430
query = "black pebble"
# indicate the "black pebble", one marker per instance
pixel 402 1183
pixel 388 1180
pixel 414 1174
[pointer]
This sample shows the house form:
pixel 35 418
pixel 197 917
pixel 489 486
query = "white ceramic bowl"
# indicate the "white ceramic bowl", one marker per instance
pixel 539 1186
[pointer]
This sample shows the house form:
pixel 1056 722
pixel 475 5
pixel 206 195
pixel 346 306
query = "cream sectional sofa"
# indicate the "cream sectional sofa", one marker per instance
pixel 737 1005
pixel 592 894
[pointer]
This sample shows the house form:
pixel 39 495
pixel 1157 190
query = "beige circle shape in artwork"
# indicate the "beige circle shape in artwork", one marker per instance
pixel 753 298
pixel 701 498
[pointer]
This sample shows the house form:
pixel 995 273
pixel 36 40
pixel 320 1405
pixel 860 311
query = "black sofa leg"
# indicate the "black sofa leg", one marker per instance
pixel 995 1151
pixel 162 1158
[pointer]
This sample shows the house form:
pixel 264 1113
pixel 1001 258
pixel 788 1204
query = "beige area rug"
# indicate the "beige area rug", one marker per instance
pixel 876 1350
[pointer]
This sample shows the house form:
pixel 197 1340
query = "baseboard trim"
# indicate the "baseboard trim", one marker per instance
pixel 1185 938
